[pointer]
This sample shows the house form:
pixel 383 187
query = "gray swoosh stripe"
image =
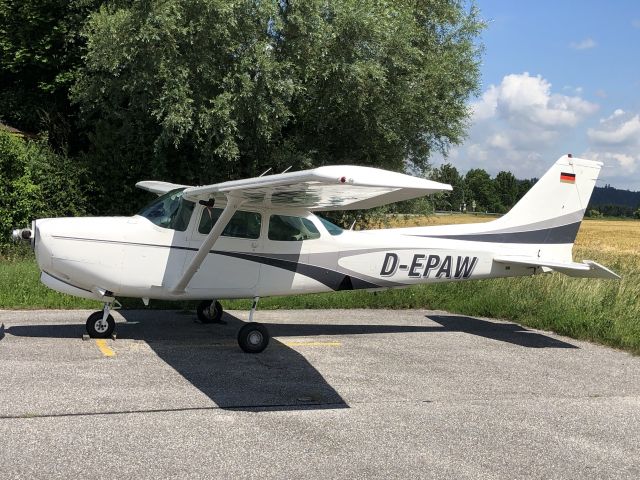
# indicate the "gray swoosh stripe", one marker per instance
pixel 554 235
pixel 543 224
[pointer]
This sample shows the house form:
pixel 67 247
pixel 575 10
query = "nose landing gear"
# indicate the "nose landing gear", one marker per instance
pixel 101 324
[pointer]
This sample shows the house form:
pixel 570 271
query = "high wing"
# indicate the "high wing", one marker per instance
pixel 157 187
pixel 587 269
pixel 323 188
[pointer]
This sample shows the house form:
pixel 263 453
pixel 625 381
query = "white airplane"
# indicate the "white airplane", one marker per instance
pixel 260 237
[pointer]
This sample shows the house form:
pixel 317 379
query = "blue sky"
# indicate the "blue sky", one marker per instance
pixel 557 77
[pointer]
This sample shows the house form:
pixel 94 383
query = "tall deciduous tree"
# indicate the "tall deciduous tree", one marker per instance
pixel 203 91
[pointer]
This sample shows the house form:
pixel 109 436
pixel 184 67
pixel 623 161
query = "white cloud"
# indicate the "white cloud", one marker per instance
pixel 635 23
pixel 585 44
pixel 524 99
pixel 519 125
pixel 523 125
pixel 619 135
pixel 616 141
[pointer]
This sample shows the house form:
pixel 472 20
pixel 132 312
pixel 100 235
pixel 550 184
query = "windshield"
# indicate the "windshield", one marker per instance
pixel 169 211
pixel 331 228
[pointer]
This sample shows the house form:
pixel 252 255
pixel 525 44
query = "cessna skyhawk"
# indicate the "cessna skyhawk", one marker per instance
pixel 260 236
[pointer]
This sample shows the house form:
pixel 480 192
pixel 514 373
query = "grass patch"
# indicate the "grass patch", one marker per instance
pixel 604 311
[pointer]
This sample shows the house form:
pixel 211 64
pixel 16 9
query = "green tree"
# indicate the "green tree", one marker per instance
pixel 455 199
pixel 524 186
pixel 507 190
pixel 481 189
pixel 200 91
pixel 36 182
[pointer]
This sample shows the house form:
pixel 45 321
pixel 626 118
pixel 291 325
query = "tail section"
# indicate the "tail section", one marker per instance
pixel 555 205
pixel 539 231
pixel 551 212
pixel 548 215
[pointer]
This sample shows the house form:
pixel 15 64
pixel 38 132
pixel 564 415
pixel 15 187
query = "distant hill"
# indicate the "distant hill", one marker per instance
pixel 608 195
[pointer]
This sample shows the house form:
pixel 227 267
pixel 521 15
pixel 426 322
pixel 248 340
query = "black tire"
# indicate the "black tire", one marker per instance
pixel 253 337
pixel 95 329
pixel 206 314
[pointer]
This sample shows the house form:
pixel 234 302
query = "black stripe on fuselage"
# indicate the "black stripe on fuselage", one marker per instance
pixel 553 235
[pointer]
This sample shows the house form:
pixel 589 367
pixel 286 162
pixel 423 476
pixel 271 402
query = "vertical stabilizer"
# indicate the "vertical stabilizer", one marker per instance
pixel 557 202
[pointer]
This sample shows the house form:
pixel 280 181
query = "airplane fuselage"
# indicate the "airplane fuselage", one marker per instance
pixel 134 257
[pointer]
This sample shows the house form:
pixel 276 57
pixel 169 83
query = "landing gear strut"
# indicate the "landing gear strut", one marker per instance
pixel 101 324
pixel 253 337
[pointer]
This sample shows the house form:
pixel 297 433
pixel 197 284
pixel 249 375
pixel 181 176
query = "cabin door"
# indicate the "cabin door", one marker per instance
pixel 230 270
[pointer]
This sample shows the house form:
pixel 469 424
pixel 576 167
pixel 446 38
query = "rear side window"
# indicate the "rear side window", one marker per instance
pixel 291 229
pixel 241 225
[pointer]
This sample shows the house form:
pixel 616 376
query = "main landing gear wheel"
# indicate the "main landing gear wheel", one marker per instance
pixel 99 328
pixel 253 337
pixel 210 312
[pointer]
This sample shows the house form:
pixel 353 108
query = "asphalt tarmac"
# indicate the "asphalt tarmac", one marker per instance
pixel 337 394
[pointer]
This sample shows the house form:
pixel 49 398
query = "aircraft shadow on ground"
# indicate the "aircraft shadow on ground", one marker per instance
pixel 280 378
pixel 504 332
pixel 208 357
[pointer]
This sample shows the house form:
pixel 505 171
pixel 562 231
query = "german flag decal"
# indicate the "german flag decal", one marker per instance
pixel 567 177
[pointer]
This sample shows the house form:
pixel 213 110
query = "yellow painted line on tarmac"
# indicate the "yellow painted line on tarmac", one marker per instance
pixel 313 344
pixel 104 348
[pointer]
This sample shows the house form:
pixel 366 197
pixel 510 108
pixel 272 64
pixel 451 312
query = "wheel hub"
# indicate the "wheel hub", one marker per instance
pixel 101 326
pixel 255 338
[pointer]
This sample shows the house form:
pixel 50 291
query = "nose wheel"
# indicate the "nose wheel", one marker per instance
pixel 100 324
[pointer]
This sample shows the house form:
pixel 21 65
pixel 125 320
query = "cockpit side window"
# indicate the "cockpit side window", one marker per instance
pixel 291 229
pixel 242 224
pixel 169 211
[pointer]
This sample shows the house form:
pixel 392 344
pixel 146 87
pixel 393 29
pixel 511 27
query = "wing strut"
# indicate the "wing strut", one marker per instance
pixel 232 205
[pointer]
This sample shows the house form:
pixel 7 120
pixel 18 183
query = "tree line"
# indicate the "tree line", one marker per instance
pixel 476 191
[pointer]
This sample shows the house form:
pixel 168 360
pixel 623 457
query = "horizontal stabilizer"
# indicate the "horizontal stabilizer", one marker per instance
pixel 587 269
